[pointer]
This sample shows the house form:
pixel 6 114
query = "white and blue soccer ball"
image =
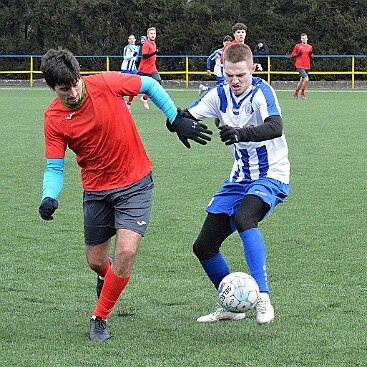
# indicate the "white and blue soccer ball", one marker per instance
pixel 238 292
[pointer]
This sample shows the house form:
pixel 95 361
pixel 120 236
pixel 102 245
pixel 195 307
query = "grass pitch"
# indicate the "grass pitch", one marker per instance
pixel 316 245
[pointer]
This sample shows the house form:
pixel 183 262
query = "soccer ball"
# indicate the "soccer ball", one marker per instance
pixel 238 292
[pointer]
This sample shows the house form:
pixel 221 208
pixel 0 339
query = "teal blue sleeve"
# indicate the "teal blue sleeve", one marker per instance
pixel 158 96
pixel 53 178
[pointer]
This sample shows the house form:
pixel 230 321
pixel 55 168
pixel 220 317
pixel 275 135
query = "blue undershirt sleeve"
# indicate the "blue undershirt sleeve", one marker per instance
pixel 53 178
pixel 158 96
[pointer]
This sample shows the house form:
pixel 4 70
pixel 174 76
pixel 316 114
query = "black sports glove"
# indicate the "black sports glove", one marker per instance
pixel 135 53
pixel 299 53
pixel 229 135
pixel 187 128
pixel 47 208
pixel 310 53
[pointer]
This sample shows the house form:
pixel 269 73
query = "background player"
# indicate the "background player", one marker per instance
pixel 303 52
pixel 218 67
pixel 239 31
pixel 251 124
pixel 128 65
pixel 147 65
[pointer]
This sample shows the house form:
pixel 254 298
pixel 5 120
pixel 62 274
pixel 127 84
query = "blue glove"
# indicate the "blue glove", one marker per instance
pixel 47 208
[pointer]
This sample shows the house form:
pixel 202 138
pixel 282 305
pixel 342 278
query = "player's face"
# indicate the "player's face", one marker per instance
pixel 238 76
pixel 152 35
pixel 240 35
pixel 304 39
pixel 131 40
pixel 70 95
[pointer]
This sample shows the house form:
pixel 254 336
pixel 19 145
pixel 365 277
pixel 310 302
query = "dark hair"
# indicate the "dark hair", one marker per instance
pixel 60 67
pixel 227 38
pixel 237 52
pixel 239 26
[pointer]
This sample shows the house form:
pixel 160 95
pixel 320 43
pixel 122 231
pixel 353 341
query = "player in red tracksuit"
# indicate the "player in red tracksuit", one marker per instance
pixel 303 52
pixel 147 66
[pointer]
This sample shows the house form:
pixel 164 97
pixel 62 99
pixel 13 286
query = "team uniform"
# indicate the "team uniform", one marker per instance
pixel 129 63
pixel 218 67
pixel 260 174
pixel 98 135
pixel 147 66
pixel 303 62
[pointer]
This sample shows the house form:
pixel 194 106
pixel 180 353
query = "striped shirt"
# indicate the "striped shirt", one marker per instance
pixel 252 160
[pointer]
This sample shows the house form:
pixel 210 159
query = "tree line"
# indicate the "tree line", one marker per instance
pixel 184 27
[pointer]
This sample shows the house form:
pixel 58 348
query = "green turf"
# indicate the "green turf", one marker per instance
pixel 316 245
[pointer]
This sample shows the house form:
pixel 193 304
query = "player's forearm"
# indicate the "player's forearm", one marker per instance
pixel 146 56
pixel 272 128
pixel 53 178
pixel 159 97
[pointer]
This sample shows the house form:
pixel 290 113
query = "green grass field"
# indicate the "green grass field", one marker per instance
pixel 316 245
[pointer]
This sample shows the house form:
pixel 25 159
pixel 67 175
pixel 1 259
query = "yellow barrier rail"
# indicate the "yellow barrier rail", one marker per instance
pixel 352 72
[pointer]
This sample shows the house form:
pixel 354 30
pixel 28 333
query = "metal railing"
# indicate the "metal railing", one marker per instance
pixel 31 71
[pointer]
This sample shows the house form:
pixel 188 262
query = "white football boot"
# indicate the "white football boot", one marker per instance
pixel 202 89
pixel 221 314
pixel 144 102
pixel 264 309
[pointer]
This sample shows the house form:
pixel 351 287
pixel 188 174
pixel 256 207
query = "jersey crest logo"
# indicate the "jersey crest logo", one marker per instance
pixel 70 116
pixel 248 108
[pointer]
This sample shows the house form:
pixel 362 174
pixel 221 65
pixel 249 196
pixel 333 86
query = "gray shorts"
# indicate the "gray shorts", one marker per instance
pixel 303 72
pixel 122 208
pixel 155 75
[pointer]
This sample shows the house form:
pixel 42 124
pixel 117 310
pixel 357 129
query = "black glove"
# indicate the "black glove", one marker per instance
pixel 299 53
pixel 47 208
pixel 157 51
pixel 229 135
pixel 187 128
pixel 135 53
pixel 310 53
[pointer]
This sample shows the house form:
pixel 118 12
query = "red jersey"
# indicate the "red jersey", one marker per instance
pixel 101 132
pixel 148 65
pixel 303 61
pixel 225 46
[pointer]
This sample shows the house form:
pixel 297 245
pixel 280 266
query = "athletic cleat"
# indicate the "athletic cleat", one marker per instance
pixel 144 102
pixel 100 281
pixel 264 309
pixel 202 89
pixel 221 314
pixel 303 96
pixel 295 96
pixel 98 330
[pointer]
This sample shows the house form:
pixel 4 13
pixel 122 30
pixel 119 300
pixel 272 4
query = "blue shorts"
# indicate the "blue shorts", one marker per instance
pixel 230 196
pixel 303 72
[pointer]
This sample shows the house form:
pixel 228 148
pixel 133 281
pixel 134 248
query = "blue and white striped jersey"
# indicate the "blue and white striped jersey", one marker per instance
pixel 129 65
pixel 218 67
pixel 253 160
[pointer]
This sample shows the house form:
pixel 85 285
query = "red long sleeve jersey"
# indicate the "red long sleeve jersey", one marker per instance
pixel 303 61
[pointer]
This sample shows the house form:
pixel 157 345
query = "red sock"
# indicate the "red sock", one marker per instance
pixel 103 271
pixel 296 92
pixel 112 288
pixel 130 99
pixel 303 91
pixel 145 97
